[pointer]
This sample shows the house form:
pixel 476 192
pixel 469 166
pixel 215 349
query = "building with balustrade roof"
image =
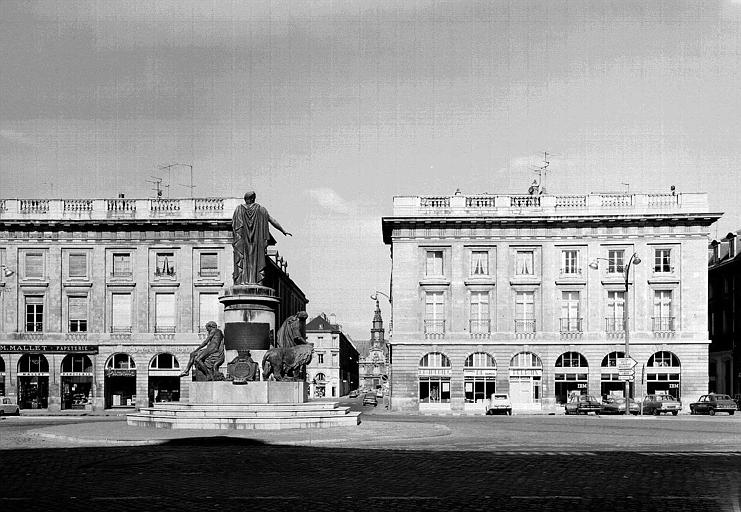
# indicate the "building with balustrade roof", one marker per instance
pixel 102 300
pixel 526 294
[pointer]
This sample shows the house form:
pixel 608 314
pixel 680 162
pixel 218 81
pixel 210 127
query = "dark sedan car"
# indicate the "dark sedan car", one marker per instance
pixel 370 399
pixel 712 403
pixel 616 405
pixel 583 404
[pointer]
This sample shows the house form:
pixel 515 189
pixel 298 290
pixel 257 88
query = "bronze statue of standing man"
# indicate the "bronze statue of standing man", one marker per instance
pixel 250 225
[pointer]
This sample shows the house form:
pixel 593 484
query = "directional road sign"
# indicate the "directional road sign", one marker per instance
pixel 628 378
pixel 626 363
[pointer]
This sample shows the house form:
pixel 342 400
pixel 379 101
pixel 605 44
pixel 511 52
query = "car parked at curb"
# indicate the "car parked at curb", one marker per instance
pixel 499 403
pixel 370 399
pixel 712 403
pixel 8 408
pixel 661 403
pixel 583 404
pixel 616 405
pixel 353 394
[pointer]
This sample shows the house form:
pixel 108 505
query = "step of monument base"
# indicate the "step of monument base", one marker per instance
pixel 173 415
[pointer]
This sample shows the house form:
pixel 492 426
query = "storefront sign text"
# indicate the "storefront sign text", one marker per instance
pixel 50 349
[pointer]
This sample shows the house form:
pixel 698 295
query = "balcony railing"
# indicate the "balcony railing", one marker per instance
pixel 208 272
pixel 524 325
pixel 120 329
pixel 34 326
pixel 479 328
pixel 434 328
pixel 571 325
pixel 663 324
pixel 164 328
pixel 570 272
pixel 121 274
pixel 614 325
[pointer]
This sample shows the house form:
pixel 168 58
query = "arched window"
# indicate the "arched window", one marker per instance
pixel 164 361
pixel 480 360
pixel 77 363
pixel 434 360
pixel 33 363
pixel 610 359
pixel 663 359
pixel 320 377
pixel 525 360
pixel 571 377
pixel 571 360
pixel 120 362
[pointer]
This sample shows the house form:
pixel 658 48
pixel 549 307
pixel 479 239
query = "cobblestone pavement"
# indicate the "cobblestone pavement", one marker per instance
pixel 457 470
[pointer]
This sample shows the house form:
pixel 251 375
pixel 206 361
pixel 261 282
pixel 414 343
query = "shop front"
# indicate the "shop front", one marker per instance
pixel 525 381
pixel 320 383
pixel 2 376
pixel 33 381
pixel 433 375
pixel 77 382
pixel 610 383
pixel 164 379
pixel 479 380
pixel 663 374
pixel 571 376
pixel 120 381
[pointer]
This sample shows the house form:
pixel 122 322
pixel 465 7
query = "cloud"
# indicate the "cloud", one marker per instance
pixel 329 199
pixel 18 137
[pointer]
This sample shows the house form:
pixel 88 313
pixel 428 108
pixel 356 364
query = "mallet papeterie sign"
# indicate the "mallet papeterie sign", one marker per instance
pixel 50 349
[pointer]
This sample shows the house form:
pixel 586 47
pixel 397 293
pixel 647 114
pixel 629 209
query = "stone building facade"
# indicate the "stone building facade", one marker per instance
pixel 333 370
pixel 496 293
pixel 102 300
pixel 724 295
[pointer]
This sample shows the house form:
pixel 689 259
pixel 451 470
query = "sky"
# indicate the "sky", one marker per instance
pixel 329 109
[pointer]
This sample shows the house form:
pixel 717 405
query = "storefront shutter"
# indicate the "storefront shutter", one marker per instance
pixel 77 265
pixel 209 262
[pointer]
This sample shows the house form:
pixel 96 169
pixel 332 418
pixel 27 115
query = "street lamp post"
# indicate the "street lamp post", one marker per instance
pixel 634 260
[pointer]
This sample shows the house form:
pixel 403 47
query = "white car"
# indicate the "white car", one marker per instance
pixel 7 407
pixel 499 402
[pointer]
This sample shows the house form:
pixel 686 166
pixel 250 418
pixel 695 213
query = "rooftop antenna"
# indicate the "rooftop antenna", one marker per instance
pixel 156 181
pixel 169 167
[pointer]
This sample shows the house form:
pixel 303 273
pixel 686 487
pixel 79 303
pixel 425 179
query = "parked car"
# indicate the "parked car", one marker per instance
pixel 616 405
pixel 737 399
pixel 379 393
pixel 583 404
pixel 370 399
pixel 499 402
pixel 353 394
pixel 712 403
pixel 7 407
pixel 661 403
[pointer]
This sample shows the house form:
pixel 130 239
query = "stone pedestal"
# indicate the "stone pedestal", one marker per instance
pixel 266 392
pixel 249 320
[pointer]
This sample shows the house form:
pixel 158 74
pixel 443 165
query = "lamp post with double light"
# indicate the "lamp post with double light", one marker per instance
pixel 634 260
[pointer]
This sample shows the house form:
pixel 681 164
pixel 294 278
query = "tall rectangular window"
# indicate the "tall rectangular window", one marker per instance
pixel 334 359
pixel 570 321
pixel 480 322
pixel 77 264
pixel 434 263
pixel 209 264
pixel 524 263
pixel 34 313
pixel 615 258
pixel 434 313
pixel 34 263
pixel 663 319
pixel 164 312
pixel 165 264
pixel 662 260
pixel 615 304
pixel 208 309
pixel 569 262
pixel 479 263
pixel 122 265
pixel 77 310
pixel 525 311
pixel 121 312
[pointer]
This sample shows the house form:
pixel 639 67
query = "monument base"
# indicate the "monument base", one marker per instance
pixel 258 392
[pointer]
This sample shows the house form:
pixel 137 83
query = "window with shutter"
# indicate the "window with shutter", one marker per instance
pixel 121 314
pixel 209 264
pixel 164 312
pixel 77 314
pixel 78 265
pixel 122 265
pixel 34 265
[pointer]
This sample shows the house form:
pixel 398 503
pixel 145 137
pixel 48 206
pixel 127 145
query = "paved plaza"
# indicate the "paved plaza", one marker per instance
pixel 389 462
